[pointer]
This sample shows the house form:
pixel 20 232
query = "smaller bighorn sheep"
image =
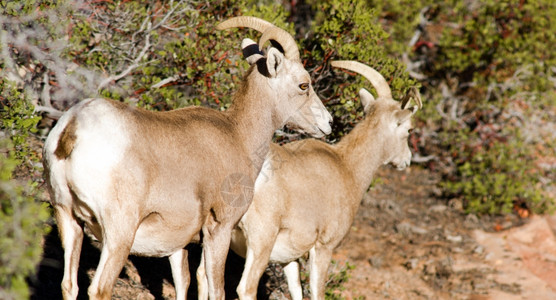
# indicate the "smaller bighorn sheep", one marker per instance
pixel 308 191
pixel 148 183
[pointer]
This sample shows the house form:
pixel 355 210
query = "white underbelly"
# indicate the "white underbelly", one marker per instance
pixel 153 247
pixel 284 252
pixel 155 237
pixel 146 244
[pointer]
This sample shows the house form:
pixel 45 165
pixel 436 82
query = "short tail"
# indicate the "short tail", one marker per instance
pixel 67 139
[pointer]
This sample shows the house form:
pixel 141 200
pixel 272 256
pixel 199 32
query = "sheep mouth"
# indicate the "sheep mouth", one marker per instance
pixel 326 130
pixel 320 132
pixel 315 131
pixel 401 166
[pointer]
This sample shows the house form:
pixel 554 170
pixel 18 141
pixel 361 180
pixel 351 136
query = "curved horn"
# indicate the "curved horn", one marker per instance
pixel 269 31
pixel 283 38
pixel 381 86
pixel 245 21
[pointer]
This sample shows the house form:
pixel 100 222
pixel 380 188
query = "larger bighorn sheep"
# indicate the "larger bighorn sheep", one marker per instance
pixel 148 183
pixel 309 191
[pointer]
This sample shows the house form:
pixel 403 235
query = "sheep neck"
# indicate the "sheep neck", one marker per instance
pixel 255 117
pixel 363 151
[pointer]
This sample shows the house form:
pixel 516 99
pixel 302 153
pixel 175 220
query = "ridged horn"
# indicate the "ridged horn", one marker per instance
pixel 377 80
pixel 283 38
pixel 245 21
pixel 269 31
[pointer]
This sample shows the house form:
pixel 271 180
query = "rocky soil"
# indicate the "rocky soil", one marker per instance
pixel 407 244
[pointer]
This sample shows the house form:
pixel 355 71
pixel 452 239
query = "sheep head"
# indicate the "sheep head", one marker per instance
pixel 393 118
pixel 287 81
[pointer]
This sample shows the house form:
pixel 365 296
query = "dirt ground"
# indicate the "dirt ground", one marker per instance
pixel 405 243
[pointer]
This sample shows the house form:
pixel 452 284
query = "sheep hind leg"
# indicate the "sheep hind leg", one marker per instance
pixel 71 236
pixel 291 270
pixel 180 273
pixel 259 248
pixel 215 249
pixel 202 282
pixel 117 242
pixel 319 260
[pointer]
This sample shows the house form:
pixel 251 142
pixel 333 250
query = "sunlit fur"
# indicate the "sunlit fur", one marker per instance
pixel 308 192
pixel 148 182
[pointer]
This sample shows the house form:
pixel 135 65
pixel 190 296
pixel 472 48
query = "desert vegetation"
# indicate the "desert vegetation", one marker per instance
pixel 486 70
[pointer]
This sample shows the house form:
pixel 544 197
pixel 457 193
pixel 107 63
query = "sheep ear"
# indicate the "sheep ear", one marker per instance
pixel 274 61
pixel 251 51
pixel 412 94
pixel 403 115
pixel 366 99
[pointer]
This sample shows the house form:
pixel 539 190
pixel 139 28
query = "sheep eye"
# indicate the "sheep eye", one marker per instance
pixel 304 86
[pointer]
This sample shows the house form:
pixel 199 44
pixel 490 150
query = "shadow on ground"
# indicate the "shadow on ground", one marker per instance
pixel 147 276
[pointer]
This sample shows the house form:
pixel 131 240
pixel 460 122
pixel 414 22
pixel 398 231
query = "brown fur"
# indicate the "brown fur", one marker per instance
pixel 66 141
pixel 312 194
pixel 148 182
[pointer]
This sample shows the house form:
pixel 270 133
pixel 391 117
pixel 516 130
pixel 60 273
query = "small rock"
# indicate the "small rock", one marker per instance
pixel 507 225
pixel 376 261
pixel 419 230
pixel 471 221
pixel 403 228
pixel 438 208
pixel 406 228
pixel 457 250
pixel 430 268
pixel 22 71
pixel 413 211
pixel 456 204
pixel 439 268
pixel 437 191
pixel 411 264
pixel 454 239
pixel 390 207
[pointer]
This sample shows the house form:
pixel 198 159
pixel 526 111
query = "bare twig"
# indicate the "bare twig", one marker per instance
pixel 165 81
pixel 52 112
pixel 133 66
pixel 413 67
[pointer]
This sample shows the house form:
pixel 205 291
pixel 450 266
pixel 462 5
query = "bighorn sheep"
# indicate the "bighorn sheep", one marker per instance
pixel 148 183
pixel 308 191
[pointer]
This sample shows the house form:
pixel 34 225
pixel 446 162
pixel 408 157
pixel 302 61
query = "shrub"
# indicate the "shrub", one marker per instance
pixel 503 49
pixel 22 217
pixel 487 72
pixel 507 183
pixel 338 276
pixel 193 77
pixel 342 31
pixel 173 72
pixel 19 122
